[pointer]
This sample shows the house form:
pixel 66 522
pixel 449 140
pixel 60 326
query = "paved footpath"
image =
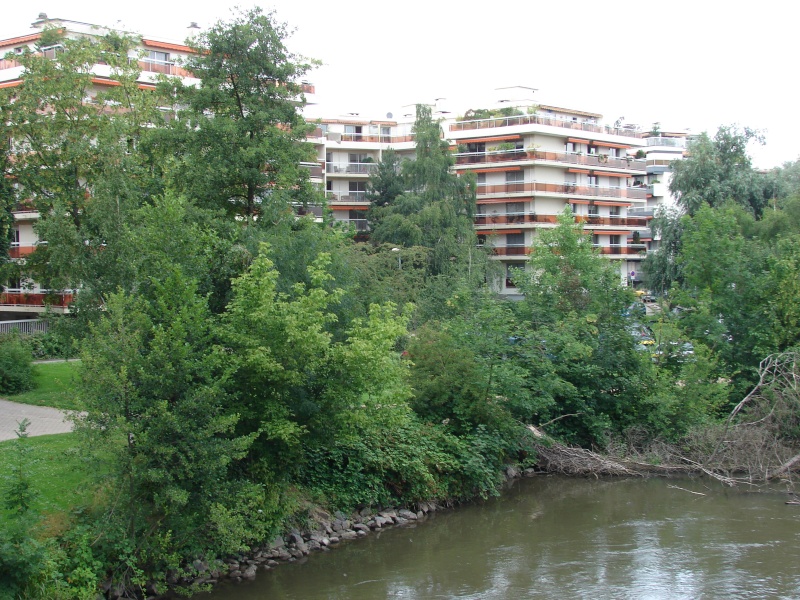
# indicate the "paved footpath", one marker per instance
pixel 44 420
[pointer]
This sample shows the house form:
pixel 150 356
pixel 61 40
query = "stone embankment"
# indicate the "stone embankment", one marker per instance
pixel 326 532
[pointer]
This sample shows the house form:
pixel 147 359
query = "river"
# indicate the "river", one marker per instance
pixel 558 537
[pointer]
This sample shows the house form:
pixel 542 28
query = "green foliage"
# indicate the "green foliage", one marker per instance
pixel 69 150
pixel 292 379
pixel 152 374
pixel 718 170
pixel 54 386
pixel 16 368
pixel 22 557
pixel 239 133
pixel 436 209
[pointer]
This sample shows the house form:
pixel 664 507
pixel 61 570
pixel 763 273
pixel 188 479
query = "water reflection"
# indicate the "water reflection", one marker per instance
pixel 552 537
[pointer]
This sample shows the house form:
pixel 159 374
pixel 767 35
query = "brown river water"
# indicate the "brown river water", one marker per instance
pixel 557 537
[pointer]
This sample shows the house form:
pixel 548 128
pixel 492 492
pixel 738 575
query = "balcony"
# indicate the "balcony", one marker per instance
pixel 357 224
pixel 619 249
pixel 509 250
pixel 567 158
pixel 8 64
pixel 471 158
pixel 612 220
pixel 346 197
pixel 351 168
pixel 484 219
pixel 569 189
pixel 369 137
pixel 550 121
pixel 23 299
pixel 668 142
pixel 17 251
pixel 589 160
pixel 504 219
pixel 163 67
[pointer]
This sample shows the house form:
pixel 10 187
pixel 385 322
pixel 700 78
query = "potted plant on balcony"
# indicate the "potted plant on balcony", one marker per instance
pixel 640 154
pixel 602 158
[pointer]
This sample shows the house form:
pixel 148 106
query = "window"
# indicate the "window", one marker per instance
pixel 515 239
pixel 14 285
pixel 358 218
pixel 614 240
pixel 352 133
pixel 15 237
pixel 156 56
pixel 357 190
pixel 514 212
pixel 592 180
pixel 386 135
pixel 569 147
pixel 593 210
pixel 614 211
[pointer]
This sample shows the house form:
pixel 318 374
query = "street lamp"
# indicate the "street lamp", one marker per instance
pixel 399 258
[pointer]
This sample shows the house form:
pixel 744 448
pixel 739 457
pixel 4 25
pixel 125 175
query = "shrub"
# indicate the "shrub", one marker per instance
pixel 16 369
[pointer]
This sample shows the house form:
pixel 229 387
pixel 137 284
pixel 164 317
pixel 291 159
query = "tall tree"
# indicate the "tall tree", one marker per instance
pixel 437 207
pixel 72 134
pixel 718 170
pixel 239 132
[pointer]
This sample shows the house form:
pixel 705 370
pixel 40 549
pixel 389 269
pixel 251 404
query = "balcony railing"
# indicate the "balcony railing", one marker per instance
pixel 620 249
pixel 370 137
pixel 665 141
pixel 17 251
pixel 571 189
pixel 509 250
pixel 516 218
pixel 24 299
pixel 351 168
pixel 346 197
pixel 551 121
pixel 358 224
pixel 159 66
pixel 590 160
pixel 568 158
pixel 8 64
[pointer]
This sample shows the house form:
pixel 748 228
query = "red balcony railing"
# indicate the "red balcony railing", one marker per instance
pixel 24 299
pixel 20 251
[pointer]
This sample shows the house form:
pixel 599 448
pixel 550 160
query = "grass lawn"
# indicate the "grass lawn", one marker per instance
pixel 59 475
pixel 54 383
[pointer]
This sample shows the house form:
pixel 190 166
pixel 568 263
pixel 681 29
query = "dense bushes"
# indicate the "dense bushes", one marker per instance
pixel 16 369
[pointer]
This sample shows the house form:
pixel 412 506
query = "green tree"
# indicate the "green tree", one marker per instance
pixel 293 380
pixel 719 170
pixel 575 306
pixel 153 383
pixel 239 134
pixel 72 160
pixel 437 207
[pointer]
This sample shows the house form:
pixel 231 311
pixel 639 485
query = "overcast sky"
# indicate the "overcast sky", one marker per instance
pixel 686 64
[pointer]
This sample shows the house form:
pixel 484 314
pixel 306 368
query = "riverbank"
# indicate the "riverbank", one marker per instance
pixel 324 533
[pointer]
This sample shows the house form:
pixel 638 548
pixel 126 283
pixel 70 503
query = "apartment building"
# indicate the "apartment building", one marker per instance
pixel 22 299
pixel 530 161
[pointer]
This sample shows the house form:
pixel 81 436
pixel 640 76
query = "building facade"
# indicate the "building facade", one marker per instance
pixel 531 162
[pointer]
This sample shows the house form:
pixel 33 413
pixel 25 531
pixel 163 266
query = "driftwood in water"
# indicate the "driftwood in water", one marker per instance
pixel 757 443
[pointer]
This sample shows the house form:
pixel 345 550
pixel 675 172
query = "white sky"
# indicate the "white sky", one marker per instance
pixel 687 64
